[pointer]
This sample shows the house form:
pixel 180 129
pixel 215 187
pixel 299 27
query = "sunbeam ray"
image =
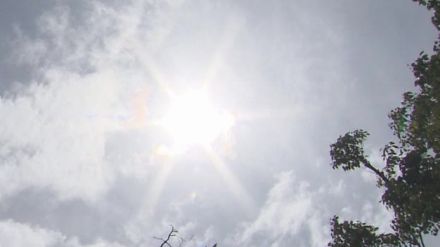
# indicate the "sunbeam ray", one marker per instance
pixel 243 197
pixel 232 29
pixel 154 192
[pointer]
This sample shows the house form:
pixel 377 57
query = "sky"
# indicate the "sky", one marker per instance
pixel 92 155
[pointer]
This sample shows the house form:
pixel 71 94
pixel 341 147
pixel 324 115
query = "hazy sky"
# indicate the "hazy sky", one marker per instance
pixel 85 160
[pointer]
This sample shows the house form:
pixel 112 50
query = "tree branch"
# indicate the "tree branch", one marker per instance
pixel 421 239
pixel 165 242
pixel 368 165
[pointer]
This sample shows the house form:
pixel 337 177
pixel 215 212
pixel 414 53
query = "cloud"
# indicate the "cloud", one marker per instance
pixel 288 213
pixel 63 145
pixel 297 213
pixel 58 132
pixel 16 234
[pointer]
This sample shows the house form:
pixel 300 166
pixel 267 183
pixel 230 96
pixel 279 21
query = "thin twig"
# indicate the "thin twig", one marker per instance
pixel 165 242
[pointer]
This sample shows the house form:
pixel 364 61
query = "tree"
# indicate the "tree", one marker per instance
pixel 173 233
pixel 349 234
pixel 167 241
pixel 410 176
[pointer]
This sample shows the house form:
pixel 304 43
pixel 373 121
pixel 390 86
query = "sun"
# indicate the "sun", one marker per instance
pixel 192 120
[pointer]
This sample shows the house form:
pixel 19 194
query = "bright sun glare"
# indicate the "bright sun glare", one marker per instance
pixel 193 120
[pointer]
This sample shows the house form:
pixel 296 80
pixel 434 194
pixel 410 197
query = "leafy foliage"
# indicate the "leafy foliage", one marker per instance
pixel 350 234
pixel 411 174
pixel 348 151
pixel 435 6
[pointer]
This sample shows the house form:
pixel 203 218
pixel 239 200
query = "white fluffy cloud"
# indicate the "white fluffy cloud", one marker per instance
pixel 51 137
pixel 16 234
pixel 285 214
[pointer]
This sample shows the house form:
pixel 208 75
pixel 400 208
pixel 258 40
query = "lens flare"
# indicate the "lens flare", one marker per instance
pixel 192 120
